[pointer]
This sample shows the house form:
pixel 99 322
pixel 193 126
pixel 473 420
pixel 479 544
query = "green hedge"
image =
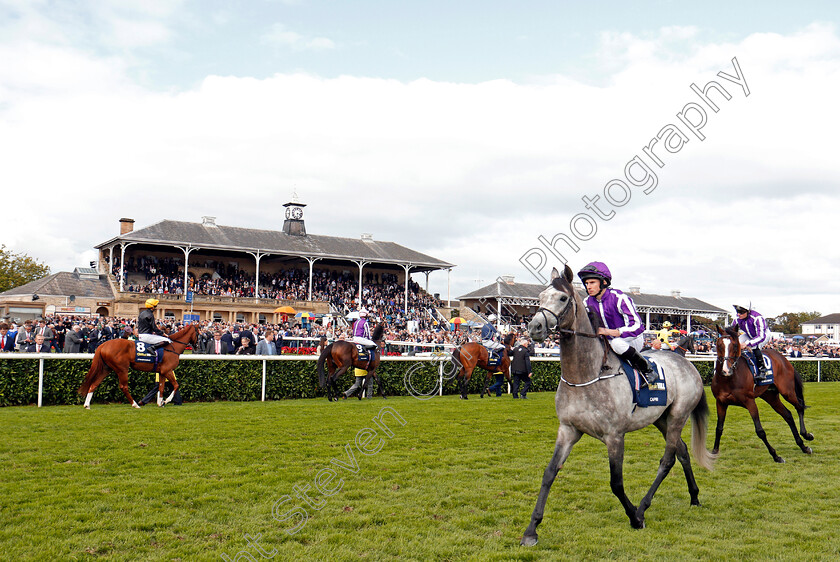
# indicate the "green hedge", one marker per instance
pixel 242 380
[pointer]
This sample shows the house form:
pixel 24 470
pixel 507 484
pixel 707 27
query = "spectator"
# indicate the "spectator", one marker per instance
pixel 39 346
pixel 244 347
pixel 267 346
pixel 25 336
pixel 217 346
pixel 7 341
pixel 520 368
pixel 73 340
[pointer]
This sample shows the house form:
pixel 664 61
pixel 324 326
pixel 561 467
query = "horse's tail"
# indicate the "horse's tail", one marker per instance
pixel 699 428
pixel 797 388
pixel 322 372
pixel 97 368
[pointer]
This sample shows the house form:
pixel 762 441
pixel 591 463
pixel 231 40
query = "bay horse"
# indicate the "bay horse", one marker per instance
pixel 119 354
pixel 733 385
pixel 340 356
pixel 473 354
pixel 594 398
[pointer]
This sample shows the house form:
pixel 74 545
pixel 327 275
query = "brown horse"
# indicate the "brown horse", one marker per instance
pixel 339 356
pixel 118 355
pixel 473 354
pixel 733 384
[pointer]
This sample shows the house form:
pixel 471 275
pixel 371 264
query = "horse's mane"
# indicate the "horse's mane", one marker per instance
pixel 377 332
pixel 508 339
pixel 560 284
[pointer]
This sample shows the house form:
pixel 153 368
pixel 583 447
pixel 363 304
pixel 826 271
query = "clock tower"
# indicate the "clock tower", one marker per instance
pixel 294 225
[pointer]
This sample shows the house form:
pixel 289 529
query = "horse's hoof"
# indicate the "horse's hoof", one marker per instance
pixel 779 460
pixel 135 406
pixel 638 523
pixel 715 451
pixel 807 450
pixel 807 436
pixel 87 407
pixel 528 540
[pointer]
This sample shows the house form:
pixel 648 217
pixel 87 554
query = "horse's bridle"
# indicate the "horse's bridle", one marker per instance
pixel 728 360
pixel 185 344
pixel 571 333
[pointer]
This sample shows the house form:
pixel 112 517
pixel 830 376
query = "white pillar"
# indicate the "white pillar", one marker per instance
pixel 427 281
pixel 688 323
pixel 187 251
pixel 311 272
pixel 647 320
pixel 448 286
pixel 257 257
pixel 111 262
pixel 361 264
pixel 406 268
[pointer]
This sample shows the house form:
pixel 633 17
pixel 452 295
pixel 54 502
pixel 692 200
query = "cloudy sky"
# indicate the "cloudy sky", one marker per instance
pixel 464 130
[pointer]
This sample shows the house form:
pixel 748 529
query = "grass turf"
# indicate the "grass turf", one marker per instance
pixel 457 482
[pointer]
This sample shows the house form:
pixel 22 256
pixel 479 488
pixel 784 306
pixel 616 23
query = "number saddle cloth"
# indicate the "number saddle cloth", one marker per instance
pixel 143 355
pixel 644 394
pixel 768 375
pixel 364 352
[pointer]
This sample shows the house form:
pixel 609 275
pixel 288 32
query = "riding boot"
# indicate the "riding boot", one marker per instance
pixel 639 363
pixel 760 368
pixel 156 346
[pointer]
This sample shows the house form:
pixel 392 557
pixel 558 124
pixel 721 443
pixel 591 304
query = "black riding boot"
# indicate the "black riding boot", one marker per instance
pixel 156 346
pixel 640 363
pixel 760 369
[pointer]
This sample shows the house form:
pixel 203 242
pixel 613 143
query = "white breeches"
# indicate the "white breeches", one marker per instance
pixel 621 345
pixel 744 338
pixel 492 344
pixel 363 341
pixel 153 338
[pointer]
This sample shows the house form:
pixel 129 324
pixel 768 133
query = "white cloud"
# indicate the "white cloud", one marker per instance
pixel 280 35
pixel 469 173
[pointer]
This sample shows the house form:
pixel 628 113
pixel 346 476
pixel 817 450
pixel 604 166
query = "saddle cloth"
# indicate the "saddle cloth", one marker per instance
pixel 494 357
pixel 768 380
pixel 143 355
pixel 364 352
pixel 644 395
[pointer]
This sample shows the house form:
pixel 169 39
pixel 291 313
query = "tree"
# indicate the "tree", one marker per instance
pixel 19 269
pixel 791 322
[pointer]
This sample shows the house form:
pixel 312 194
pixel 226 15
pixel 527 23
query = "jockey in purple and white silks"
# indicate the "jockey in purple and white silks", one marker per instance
pixel 618 314
pixel 361 330
pixel 754 336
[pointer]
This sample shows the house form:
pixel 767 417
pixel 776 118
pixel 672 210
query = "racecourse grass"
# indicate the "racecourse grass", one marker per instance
pixel 457 482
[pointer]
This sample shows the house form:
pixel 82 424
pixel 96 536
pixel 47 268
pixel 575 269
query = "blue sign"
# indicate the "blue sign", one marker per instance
pixel 190 317
pixel 189 296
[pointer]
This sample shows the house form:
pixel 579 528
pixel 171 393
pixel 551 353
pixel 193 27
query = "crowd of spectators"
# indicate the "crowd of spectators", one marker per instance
pixel 382 293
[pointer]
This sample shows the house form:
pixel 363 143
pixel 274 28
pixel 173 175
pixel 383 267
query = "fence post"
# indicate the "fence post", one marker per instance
pixel 263 382
pixel 40 381
pixel 440 372
pixel 819 370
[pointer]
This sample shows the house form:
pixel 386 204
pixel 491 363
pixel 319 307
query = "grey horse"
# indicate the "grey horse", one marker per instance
pixel 594 398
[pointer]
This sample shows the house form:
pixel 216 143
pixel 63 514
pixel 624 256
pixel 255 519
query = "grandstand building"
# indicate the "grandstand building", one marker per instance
pixel 200 251
pixel 522 299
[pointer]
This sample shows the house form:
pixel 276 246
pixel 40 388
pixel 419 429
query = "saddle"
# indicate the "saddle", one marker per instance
pixel 366 353
pixel 768 375
pixel 494 356
pixel 143 355
pixel 644 394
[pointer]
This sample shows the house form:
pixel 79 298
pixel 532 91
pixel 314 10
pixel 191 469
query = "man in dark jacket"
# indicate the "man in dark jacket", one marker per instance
pixel 73 340
pixel 520 369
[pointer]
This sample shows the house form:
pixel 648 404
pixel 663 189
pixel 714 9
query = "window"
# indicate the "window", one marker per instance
pixel 217 317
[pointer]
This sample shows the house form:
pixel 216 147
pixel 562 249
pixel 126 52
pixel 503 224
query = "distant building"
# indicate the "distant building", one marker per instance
pixel 824 325
pixel 198 249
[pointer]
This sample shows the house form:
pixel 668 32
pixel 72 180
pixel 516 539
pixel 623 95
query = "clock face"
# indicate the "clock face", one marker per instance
pixel 288 213
pixel 297 212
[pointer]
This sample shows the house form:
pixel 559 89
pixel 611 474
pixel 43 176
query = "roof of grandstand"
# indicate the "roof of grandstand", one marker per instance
pixel 231 238
pixel 531 291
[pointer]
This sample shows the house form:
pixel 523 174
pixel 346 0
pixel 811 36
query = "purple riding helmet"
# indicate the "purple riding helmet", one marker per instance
pixel 596 270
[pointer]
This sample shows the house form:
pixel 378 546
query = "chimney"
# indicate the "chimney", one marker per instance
pixel 675 294
pixel 126 226
pixel 635 290
pixel 208 221
pixel 367 237
pixel 508 279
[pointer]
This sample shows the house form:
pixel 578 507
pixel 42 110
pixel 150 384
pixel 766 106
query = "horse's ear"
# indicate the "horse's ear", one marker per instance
pixel 568 274
pixel 719 329
pixel 554 273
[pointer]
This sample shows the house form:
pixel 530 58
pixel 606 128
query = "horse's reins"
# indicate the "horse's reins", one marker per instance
pixel 185 344
pixel 572 333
